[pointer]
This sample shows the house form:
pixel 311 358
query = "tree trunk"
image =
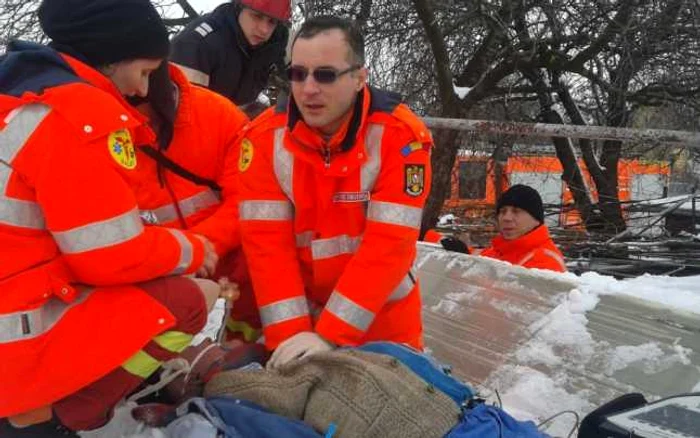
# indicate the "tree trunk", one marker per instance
pixel 443 161
pixel 572 175
pixel 608 192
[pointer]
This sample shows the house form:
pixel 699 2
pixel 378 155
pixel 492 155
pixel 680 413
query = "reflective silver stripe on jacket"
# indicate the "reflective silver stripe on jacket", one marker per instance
pixel 334 246
pixel 186 252
pixel 20 326
pixel 283 163
pixel 395 214
pixel 266 211
pixel 556 257
pixel 283 310
pixel 350 312
pixel 304 239
pixel 21 124
pixel 370 169
pixel 526 259
pixel 188 207
pixel 403 289
pixel 103 234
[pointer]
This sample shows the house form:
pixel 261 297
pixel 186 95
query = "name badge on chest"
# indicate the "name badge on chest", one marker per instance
pixel 347 197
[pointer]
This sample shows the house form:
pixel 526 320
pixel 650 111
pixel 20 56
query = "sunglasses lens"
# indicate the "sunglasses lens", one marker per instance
pixel 325 75
pixel 297 74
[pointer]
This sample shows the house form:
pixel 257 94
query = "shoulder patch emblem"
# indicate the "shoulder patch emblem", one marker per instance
pixel 246 157
pixel 414 179
pixel 121 148
pixel 412 147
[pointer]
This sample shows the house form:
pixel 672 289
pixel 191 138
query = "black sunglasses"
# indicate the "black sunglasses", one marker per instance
pixel 323 75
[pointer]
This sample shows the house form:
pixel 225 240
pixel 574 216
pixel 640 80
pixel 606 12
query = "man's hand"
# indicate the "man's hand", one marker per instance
pixel 211 259
pixel 298 346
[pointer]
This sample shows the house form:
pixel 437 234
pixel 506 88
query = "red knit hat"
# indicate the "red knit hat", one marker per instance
pixel 278 9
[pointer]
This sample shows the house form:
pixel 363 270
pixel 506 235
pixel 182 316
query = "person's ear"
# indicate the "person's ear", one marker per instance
pixel 361 78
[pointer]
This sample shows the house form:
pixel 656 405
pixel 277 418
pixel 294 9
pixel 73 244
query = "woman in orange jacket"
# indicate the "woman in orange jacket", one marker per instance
pixel 178 183
pixel 523 238
pixel 333 184
pixel 81 325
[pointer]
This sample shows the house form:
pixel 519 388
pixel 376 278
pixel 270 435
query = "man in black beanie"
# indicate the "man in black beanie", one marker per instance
pixel 523 238
pixel 93 301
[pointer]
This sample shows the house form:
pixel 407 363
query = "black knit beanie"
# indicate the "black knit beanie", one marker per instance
pixel 103 32
pixel 525 198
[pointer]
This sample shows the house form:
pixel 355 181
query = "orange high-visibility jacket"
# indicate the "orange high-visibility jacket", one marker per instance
pixel 432 236
pixel 533 250
pixel 68 216
pixel 206 126
pixel 330 228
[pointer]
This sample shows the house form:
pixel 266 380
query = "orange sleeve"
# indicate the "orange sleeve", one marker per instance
pixel 92 214
pixel 549 259
pixel 432 236
pixel 388 246
pixel 269 244
pixel 222 228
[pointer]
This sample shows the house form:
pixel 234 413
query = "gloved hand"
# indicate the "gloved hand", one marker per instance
pixel 298 346
pixel 451 243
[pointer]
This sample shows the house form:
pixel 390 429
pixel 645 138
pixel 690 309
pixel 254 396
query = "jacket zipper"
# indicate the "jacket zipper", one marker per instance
pixel 327 156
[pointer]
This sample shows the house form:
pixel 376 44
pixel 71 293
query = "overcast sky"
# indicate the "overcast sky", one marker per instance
pixel 205 5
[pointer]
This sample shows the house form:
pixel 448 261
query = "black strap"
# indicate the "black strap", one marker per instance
pixel 169 164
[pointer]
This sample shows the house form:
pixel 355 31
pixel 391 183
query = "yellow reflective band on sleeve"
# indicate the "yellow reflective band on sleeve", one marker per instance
pixel 249 333
pixel 173 341
pixel 141 365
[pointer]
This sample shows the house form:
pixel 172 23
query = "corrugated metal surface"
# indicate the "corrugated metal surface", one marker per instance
pixel 478 313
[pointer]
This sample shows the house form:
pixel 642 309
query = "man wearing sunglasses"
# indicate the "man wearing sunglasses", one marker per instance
pixel 332 186
pixel 232 49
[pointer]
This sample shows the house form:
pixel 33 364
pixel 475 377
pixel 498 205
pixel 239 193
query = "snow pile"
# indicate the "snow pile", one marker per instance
pixel 446 219
pixel 461 92
pixel 679 293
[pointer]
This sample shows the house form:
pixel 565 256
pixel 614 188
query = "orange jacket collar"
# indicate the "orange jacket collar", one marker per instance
pixel 143 134
pixel 102 82
pixel 523 244
pixel 342 140
pixel 184 100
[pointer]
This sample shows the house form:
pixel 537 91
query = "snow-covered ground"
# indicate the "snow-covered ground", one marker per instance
pixel 532 394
